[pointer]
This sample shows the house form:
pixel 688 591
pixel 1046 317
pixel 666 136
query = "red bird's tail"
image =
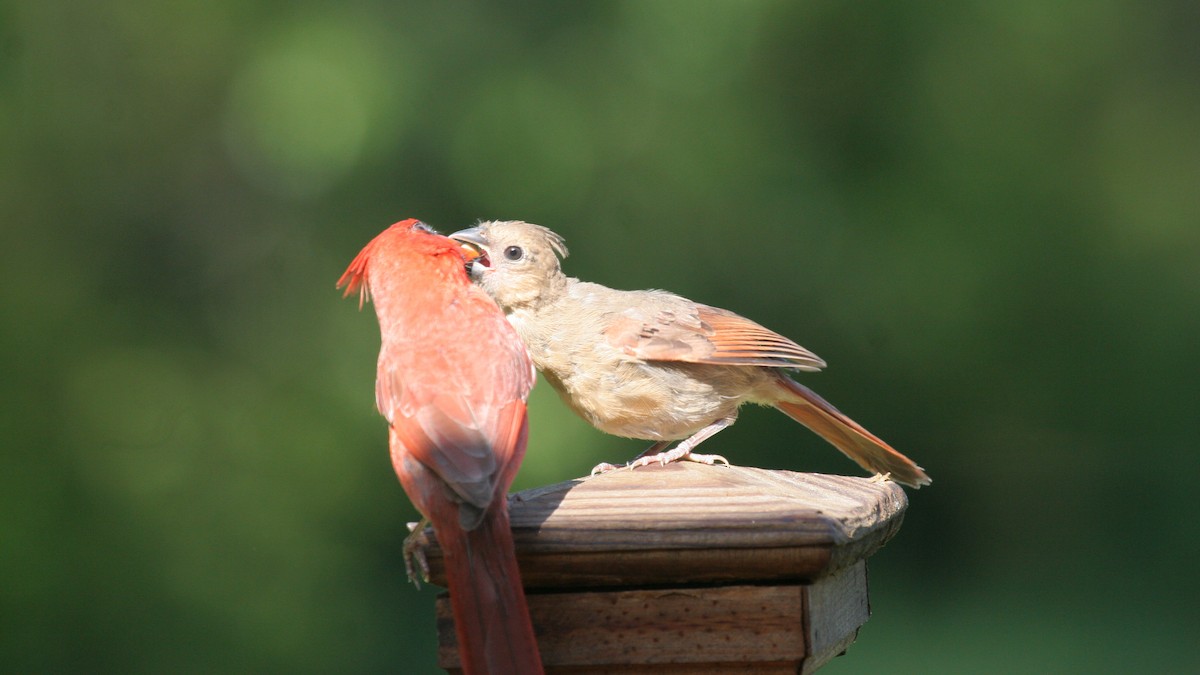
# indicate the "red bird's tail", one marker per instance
pixel 806 407
pixel 491 617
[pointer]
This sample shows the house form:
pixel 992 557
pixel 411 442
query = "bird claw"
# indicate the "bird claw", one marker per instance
pixel 678 455
pixel 882 477
pixel 603 467
pixel 414 553
pixel 711 460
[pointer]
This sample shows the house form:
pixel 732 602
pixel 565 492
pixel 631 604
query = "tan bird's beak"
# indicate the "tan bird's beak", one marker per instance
pixel 474 245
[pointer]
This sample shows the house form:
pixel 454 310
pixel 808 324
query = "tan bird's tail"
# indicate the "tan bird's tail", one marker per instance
pixel 806 407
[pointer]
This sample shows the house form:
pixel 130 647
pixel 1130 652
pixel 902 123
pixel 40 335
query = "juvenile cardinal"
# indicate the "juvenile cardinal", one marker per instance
pixel 452 381
pixel 653 365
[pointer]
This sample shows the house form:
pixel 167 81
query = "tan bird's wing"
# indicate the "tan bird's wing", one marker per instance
pixel 703 334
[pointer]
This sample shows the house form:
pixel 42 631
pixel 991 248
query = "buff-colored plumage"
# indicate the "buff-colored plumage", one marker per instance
pixel 651 364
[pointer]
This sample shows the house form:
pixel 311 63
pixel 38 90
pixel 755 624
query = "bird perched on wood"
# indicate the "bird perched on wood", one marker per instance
pixel 653 365
pixel 452 381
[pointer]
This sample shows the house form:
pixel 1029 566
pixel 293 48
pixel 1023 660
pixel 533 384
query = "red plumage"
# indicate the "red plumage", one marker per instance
pixel 452 381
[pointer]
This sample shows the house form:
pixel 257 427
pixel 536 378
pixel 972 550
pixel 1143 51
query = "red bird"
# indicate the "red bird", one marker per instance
pixel 452 381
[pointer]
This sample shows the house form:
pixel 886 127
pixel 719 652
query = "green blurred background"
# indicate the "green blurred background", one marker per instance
pixel 985 216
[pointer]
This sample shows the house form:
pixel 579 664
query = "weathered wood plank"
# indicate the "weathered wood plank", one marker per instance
pixel 728 629
pixel 834 609
pixel 735 523
pixel 694 569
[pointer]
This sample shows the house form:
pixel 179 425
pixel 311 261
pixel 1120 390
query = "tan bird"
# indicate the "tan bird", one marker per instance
pixel 653 365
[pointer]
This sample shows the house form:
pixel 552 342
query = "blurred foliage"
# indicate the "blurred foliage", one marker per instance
pixel 985 216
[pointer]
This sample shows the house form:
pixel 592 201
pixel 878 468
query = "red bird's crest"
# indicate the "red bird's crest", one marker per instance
pixel 355 276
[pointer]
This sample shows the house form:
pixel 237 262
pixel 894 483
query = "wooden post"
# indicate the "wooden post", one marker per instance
pixel 690 568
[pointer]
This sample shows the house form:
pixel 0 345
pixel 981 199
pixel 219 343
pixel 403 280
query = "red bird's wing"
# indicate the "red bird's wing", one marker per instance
pixel 462 412
pixel 703 334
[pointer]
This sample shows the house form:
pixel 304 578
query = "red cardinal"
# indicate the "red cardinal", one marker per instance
pixel 452 381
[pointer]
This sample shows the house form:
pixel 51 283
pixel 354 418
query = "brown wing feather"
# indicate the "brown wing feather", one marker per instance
pixel 707 335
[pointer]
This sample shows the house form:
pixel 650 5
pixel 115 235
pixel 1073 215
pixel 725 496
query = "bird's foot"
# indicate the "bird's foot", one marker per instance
pixel 603 467
pixel 414 553
pixel 662 459
pixel 679 454
pixel 882 477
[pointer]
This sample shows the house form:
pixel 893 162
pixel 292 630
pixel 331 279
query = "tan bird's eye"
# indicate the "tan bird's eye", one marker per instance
pixel 513 253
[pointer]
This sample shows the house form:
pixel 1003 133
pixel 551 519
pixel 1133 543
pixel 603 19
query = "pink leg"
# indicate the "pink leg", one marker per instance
pixel 605 467
pixel 654 449
pixel 682 452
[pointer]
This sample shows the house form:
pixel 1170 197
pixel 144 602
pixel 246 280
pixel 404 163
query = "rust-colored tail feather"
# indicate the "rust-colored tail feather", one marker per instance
pixel 806 407
pixel 491 617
